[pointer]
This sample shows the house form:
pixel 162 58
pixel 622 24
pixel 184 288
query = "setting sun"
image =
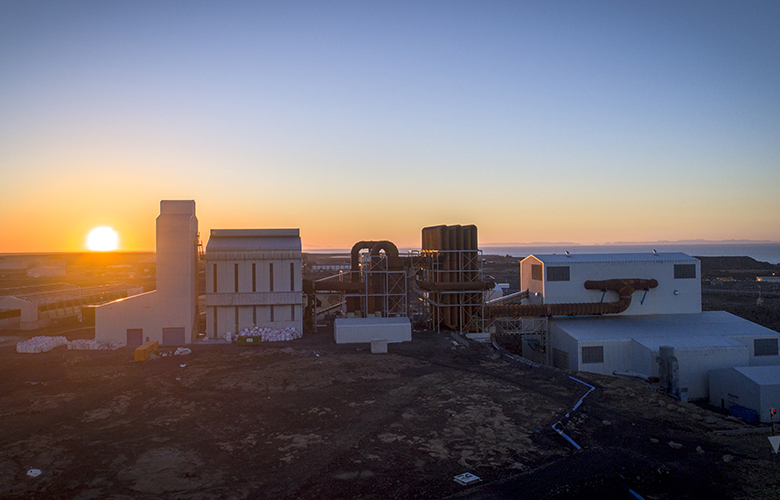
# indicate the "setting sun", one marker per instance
pixel 102 239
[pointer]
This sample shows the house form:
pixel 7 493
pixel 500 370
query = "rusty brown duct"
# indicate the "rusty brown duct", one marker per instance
pixel 624 287
pixel 353 303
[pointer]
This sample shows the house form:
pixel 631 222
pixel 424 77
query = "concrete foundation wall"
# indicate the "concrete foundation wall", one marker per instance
pixel 359 330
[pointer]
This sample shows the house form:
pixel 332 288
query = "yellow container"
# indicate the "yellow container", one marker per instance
pixel 143 352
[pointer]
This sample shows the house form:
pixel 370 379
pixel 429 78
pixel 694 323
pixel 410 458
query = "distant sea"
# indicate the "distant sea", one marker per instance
pixel 764 252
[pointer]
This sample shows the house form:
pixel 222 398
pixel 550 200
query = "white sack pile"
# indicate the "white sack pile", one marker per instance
pixel 270 334
pixel 182 351
pixel 94 345
pixel 46 344
pixel 40 344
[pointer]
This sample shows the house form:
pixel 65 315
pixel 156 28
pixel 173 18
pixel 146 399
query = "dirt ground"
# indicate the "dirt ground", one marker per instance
pixel 311 419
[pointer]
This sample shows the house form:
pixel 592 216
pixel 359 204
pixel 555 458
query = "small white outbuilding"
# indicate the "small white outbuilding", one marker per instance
pixel 754 387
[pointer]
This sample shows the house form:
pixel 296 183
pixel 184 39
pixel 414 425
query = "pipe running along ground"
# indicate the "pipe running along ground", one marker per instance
pixel 624 288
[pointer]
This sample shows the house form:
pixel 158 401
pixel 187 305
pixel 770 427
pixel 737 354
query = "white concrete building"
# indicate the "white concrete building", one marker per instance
pixel 668 315
pixel 702 342
pixel 754 387
pixel 253 277
pixel 169 314
pixel 559 279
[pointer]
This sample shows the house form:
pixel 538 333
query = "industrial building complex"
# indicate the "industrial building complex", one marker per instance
pixel 636 315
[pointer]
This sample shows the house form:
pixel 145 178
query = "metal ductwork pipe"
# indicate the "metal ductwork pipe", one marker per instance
pixel 624 287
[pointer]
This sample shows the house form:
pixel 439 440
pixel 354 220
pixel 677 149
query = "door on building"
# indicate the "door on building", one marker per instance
pixel 173 336
pixel 135 337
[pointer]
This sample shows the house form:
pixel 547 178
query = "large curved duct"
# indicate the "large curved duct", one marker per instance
pixel 378 284
pixel 375 247
pixel 388 246
pixel 624 287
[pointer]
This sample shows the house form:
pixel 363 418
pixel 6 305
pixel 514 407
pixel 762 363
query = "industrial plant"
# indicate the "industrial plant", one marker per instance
pixel 634 315
pixel 438 371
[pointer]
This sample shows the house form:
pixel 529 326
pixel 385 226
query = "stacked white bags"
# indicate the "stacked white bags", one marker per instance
pixel 94 345
pixel 40 344
pixel 270 334
pixel 46 344
pixel 182 351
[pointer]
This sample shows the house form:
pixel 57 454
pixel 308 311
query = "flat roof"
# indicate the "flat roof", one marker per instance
pixel 661 326
pixel 762 375
pixel 255 233
pixel 613 258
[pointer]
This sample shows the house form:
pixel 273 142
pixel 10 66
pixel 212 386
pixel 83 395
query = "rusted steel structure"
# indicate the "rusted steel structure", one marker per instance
pixel 452 276
pixel 447 276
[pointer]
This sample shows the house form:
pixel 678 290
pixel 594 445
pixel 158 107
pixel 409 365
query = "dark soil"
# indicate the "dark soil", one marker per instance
pixel 314 420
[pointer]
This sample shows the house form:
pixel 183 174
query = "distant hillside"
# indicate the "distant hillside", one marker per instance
pixel 744 267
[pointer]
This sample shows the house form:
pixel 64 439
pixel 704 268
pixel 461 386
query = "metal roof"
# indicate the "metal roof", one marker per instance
pixel 762 375
pixel 253 240
pixel 666 326
pixel 613 258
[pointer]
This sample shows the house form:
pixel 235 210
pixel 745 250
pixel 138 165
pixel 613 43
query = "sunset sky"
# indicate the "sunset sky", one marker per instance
pixel 586 122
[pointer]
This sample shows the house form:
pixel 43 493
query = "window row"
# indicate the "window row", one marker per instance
pixel 554 273
pixel 237 277
pixel 277 313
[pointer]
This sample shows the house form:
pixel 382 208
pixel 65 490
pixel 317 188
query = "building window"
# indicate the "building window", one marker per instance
pixel 254 277
pixel 254 314
pixel 765 347
pixel 215 278
pixel 272 313
pixel 292 312
pixel 292 276
pixel 236 330
pixel 235 276
pixel 536 272
pixel 271 278
pixel 558 273
pixel 684 271
pixel 593 354
pixel 216 329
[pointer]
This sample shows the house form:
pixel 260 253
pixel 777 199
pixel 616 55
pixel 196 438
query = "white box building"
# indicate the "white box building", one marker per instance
pixel 559 279
pixel 253 277
pixel 668 315
pixel 754 387
pixel 168 314
pixel 702 342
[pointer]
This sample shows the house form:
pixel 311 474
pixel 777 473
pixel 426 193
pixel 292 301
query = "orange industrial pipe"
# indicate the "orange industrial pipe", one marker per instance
pixel 624 287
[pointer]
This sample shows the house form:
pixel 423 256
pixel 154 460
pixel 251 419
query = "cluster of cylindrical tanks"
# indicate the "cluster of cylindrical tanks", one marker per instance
pixel 454 279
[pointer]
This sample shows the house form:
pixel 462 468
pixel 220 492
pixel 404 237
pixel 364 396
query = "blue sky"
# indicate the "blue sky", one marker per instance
pixel 538 121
